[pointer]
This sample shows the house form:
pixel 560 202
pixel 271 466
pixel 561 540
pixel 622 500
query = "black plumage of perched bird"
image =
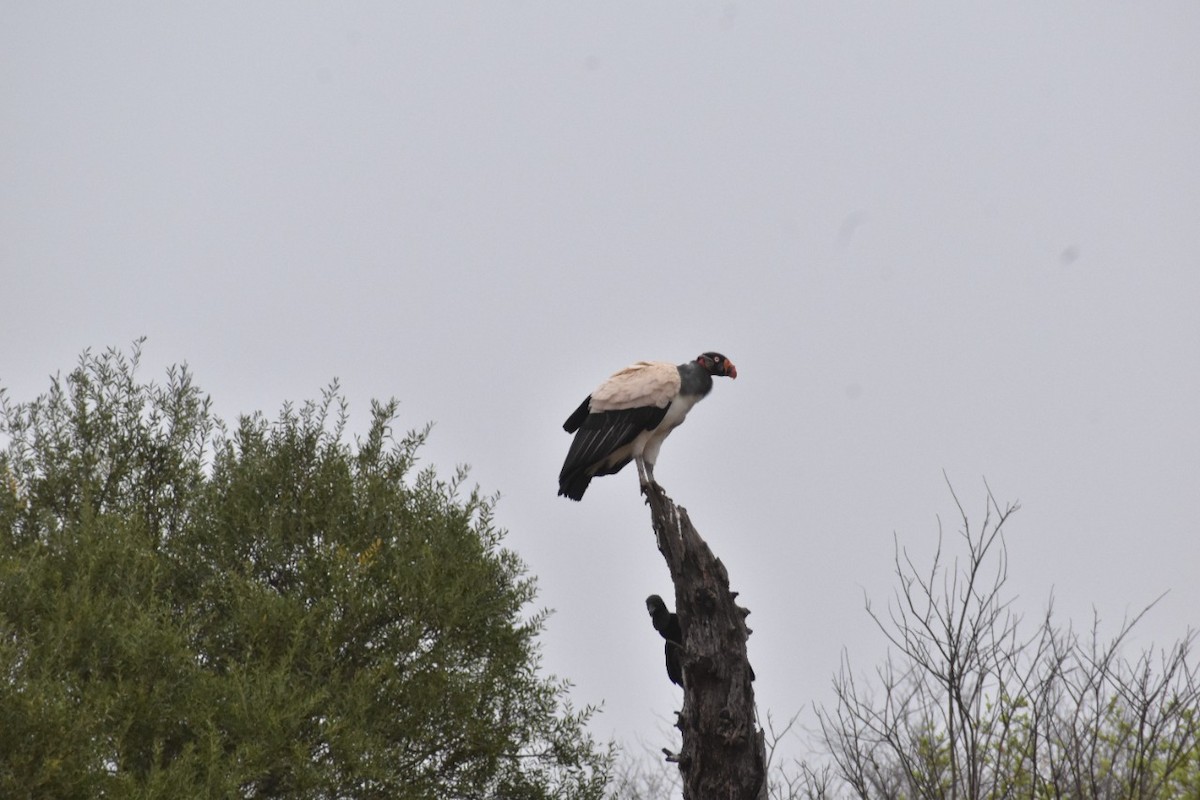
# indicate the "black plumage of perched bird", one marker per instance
pixel 667 624
pixel 629 415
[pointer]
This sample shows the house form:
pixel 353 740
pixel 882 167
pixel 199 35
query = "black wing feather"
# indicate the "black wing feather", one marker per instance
pixel 597 436
pixel 667 624
pixel 578 416
pixel 673 652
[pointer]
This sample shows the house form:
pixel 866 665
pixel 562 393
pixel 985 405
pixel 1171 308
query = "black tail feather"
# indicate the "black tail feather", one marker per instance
pixel 574 485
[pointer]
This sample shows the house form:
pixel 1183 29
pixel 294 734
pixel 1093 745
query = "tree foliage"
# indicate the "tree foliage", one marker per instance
pixel 271 611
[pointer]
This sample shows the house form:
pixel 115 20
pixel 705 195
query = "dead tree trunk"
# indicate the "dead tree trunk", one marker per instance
pixel 723 755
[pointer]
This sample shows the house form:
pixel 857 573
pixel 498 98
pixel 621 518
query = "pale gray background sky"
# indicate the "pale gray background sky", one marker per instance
pixel 931 236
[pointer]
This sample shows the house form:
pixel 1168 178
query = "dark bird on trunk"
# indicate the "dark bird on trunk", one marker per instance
pixel 630 414
pixel 667 624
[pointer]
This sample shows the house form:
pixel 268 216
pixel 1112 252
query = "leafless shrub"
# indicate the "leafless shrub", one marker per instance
pixel 969 706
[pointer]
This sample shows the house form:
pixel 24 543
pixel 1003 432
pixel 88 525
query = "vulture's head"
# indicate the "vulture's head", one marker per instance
pixel 717 365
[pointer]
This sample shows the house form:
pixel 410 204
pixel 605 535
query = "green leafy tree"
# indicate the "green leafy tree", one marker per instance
pixel 274 611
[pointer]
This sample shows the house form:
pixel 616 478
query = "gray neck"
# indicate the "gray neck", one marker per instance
pixel 694 379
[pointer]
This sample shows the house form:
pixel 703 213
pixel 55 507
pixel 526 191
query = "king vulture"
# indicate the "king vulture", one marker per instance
pixel 667 624
pixel 630 414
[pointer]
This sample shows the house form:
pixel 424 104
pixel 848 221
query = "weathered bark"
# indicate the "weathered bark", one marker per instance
pixel 723 755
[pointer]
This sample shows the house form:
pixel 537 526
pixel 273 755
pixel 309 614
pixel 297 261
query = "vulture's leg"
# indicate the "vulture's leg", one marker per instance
pixel 645 474
pixel 649 456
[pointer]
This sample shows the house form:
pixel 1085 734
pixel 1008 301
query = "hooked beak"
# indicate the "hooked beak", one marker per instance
pixel 730 369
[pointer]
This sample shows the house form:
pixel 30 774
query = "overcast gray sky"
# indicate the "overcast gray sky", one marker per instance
pixel 936 236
